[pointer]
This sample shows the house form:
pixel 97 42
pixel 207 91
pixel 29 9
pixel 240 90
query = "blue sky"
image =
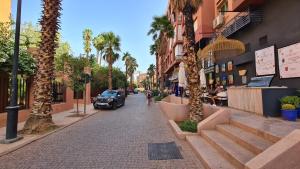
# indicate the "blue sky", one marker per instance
pixel 130 19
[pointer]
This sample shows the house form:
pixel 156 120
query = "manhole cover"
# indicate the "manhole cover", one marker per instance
pixel 163 151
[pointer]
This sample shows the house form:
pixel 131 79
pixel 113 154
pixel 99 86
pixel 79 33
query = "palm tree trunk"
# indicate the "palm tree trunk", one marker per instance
pixel 98 57
pixel 110 74
pixel 40 118
pixel 126 74
pixel 190 59
pixel 100 62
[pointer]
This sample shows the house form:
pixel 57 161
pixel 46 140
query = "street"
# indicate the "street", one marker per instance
pixel 108 139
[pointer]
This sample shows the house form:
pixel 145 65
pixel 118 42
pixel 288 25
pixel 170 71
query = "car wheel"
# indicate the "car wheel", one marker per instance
pixel 114 106
pixel 123 103
pixel 95 107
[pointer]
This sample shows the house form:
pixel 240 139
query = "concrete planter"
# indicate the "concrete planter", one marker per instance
pixel 176 111
pixel 173 108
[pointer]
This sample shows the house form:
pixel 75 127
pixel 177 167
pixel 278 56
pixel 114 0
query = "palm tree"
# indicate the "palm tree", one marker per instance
pixel 111 47
pixel 126 58
pixel 98 43
pixel 40 118
pixel 161 27
pixel 188 8
pixel 132 67
pixel 87 38
pixel 151 73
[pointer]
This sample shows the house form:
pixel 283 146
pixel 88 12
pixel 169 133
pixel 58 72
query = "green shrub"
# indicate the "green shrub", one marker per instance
pixel 155 92
pixel 189 126
pixel 294 100
pixel 157 98
pixel 288 107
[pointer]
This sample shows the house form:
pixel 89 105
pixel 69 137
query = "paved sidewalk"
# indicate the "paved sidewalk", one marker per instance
pixel 60 119
pixel 109 139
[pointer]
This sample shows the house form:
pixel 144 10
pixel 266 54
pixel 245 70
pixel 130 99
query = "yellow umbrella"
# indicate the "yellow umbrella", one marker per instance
pixel 222 44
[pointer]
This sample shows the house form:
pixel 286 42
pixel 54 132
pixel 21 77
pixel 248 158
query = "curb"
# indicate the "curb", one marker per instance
pixel 44 135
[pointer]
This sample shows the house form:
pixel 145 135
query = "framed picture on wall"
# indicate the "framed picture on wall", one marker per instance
pixel 230 80
pixel 224 67
pixel 217 69
pixel 230 66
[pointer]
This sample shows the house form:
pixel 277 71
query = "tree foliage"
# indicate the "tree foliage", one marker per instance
pixel 27 64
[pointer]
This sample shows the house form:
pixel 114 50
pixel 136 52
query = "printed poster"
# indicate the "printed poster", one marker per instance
pixel 289 61
pixel 265 61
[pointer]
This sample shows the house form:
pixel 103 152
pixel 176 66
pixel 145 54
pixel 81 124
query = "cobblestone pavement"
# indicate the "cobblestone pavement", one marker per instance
pixel 110 139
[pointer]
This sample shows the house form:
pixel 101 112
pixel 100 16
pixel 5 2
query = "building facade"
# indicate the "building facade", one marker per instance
pixel 265 29
pixel 270 34
pixel 5 10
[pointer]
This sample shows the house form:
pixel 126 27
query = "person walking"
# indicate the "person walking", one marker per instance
pixel 149 96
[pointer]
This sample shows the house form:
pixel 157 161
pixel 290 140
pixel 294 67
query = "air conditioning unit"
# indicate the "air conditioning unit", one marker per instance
pixel 218 21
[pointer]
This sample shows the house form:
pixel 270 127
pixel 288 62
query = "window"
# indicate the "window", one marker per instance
pixel 263 40
pixel 224 7
pixel 178 51
pixel 170 43
pixel 180 33
pixel 175 35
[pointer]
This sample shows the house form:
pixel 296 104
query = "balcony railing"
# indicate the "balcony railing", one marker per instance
pixel 240 21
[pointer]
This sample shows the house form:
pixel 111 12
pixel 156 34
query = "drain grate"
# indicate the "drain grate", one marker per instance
pixel 163 151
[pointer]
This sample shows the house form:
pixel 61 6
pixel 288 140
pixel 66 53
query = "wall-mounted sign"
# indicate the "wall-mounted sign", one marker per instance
pixel 289 61
pixel 229 66
pixel 265 61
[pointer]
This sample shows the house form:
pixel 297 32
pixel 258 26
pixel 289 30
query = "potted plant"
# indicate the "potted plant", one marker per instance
pixel 293 100
pixel 289 112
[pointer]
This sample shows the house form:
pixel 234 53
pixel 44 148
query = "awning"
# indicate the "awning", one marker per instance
pixel 222 45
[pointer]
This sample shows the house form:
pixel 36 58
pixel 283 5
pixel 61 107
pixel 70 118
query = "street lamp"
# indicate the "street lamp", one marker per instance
pixel 13 108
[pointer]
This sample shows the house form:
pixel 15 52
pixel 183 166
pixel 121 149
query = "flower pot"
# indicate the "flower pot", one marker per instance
pixel 298 112
pixel 290 115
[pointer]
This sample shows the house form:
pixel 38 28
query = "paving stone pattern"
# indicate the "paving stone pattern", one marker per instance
pixel 110 139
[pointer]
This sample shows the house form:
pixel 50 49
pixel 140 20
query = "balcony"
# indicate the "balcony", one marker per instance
pixel 240 21
pixel 241 5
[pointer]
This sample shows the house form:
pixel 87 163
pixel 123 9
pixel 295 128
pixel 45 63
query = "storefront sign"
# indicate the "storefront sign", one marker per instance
pixel 265 61
pixel 289 61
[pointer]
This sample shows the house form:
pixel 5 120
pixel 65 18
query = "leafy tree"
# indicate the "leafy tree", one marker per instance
pixel 111 47
pixel 40 118
pixel 98 43
pixel 62 56
pixel 27 64
pixel 87 40
pixel 188 8
pixel 30 35
pixel 99 80
pixel 77 76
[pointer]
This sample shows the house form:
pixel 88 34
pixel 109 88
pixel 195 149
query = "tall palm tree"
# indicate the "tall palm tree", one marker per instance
pixel 87 39
pixel 132 67
pixel 126 59
pixel 40 118
pixel 161 27
pixel 151 73
pixel 98 43
pixel 188 8
pixel 111 47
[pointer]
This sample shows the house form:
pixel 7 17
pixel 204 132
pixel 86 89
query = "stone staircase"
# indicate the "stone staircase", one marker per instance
pixel 230 145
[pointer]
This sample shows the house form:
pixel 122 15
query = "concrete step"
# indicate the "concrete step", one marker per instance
pixel 208 155
pixel 246 139
pixel 234 153
pixel 258 130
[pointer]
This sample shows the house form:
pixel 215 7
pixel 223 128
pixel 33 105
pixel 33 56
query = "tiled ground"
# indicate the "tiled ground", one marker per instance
pixel 110 139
